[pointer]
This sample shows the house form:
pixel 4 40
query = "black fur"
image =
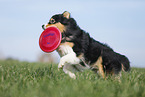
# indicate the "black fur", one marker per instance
pixel 92 49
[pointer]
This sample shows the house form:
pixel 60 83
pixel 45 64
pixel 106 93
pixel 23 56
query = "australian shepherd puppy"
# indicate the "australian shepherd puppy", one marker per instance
pixel 79 51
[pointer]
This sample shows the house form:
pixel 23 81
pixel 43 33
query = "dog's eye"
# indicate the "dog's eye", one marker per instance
pixel 52 21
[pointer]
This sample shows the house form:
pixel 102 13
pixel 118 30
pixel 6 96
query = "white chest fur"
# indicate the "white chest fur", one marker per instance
pixel 64 49
pixel 68 59
pixel 68 56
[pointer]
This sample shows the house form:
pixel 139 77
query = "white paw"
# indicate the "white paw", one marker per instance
pixel 60 66
pixel 72 75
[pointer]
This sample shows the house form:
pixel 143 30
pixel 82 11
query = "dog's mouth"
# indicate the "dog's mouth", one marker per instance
pixel 62 30
pixel 58 25
pixel 45 26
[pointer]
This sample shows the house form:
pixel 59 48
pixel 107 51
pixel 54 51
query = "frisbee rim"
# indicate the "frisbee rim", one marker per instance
pixel 59 41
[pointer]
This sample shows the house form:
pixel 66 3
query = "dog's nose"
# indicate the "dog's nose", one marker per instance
pixel 43 27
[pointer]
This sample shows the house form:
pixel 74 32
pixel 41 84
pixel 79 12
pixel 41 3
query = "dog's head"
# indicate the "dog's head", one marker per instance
pixel 61 21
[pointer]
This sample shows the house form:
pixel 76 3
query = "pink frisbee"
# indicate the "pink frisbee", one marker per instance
pixel 50 39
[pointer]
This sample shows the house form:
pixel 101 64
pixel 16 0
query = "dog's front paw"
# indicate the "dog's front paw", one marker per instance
pixel 61 63
pixel 60 66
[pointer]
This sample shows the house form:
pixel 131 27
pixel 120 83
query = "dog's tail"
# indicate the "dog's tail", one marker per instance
pixel 125 63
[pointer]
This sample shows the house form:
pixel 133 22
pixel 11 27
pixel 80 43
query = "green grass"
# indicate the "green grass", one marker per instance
pixel 23 79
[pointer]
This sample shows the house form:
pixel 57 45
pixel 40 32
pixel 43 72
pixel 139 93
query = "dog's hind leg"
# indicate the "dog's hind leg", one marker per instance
pixel 100 66
pixel 101 70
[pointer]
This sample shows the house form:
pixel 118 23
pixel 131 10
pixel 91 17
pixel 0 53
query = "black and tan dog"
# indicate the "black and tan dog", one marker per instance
pixel 79 51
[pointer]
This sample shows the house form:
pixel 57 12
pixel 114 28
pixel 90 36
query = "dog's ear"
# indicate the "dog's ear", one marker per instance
pixel 66 14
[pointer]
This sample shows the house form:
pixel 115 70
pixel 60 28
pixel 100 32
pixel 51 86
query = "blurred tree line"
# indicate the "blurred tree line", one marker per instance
pixel 48 57
pixel 42 57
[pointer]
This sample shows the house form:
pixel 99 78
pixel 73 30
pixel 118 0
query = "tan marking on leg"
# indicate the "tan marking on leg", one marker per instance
pixel 101 70
pixel 123 67
pixel 99 64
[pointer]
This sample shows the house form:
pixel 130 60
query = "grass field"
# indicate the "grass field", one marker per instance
pixel 23 79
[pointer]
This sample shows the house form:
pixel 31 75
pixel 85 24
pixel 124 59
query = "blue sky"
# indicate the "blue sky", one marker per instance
pixel 119 23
